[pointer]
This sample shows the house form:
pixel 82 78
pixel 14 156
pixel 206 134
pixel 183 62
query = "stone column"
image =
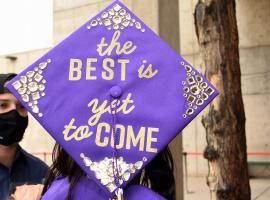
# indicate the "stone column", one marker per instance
pixel 169 28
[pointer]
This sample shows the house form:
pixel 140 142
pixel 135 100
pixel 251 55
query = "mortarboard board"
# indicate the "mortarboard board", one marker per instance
pixel 113 95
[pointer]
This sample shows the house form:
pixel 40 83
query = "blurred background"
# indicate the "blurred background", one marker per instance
pixel 29 30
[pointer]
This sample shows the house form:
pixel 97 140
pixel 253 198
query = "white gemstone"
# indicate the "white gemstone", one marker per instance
pixel 105 181
pixel 41 87
pixel 117 7
pixel 33 86
pixel 115 26
pixel 107 22
pixel 209 90
pixel 203 85
pixel 139 164
pixel 138 25
pixel 99 175
pixel 199 102
pixel 35 109
pixel 122 12
pixel 43 65
pixel 111 187
pixel 195 89
pixel 128 17
pixel 191 98
pixel 23 79
pixel 17 85
pixel 105 15
pixel 125 23
pixel 25 98
pixel 191 80
pixel 204 96
pixel 35 96
pixel 30 74
pixel 117 19
pixel 111 12
pixel 94 23
pixel 22 90
pixel 189 111
pixel 199 79
pixel 38 77
pixel 126 176
pixel 188 68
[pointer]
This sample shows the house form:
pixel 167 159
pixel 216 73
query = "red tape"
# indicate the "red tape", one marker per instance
pixel 249 153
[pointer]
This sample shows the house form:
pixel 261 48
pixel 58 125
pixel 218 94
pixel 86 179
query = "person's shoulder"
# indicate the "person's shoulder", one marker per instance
pixel 58 189
pixel 32 159
pixel 134 192
pixel 34 162
pixel 85 187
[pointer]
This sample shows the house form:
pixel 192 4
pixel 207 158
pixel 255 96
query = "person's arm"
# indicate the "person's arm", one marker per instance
pixel 27 192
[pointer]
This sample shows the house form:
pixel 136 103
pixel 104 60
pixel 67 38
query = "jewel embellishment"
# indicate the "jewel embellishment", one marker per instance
pixel 196 91
pixel 31 87
pixel 103 170
pixel 116 18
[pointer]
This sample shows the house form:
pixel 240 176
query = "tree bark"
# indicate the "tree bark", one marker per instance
pixel 226 151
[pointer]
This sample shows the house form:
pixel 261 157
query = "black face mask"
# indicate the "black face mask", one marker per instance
pixel 12 127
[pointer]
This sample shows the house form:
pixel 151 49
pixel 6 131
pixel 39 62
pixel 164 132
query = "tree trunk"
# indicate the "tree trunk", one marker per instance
pixel 226 150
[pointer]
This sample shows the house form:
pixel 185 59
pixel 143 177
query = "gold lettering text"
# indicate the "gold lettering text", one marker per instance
pixel 75 67
pixel 151 139
pixel 90 68
pixel 106 49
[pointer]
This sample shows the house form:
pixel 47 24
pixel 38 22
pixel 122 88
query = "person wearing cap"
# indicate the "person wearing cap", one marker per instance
pixel 17 167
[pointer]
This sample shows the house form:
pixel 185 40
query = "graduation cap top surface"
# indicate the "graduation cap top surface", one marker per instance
pixel 113 83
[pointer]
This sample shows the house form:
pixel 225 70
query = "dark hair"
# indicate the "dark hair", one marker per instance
pixel 3 79
pixel 158 175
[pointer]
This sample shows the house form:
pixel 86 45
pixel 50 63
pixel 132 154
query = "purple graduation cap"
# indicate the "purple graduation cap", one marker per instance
pixel 113 95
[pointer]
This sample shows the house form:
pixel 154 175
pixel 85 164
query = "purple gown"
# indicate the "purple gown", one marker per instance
pixel 88 189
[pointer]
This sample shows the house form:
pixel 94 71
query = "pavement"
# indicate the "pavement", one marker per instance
pixel 197 189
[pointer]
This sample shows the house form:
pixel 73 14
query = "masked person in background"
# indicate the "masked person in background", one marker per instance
pixel 17 167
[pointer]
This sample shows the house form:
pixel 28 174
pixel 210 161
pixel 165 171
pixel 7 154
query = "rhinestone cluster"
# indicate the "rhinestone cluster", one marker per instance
pixel 116 18
pixel 103 170
pixel 31 86
pixel 196 91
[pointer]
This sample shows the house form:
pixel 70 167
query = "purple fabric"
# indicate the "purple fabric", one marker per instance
pixel 159 94
pixel 87 189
